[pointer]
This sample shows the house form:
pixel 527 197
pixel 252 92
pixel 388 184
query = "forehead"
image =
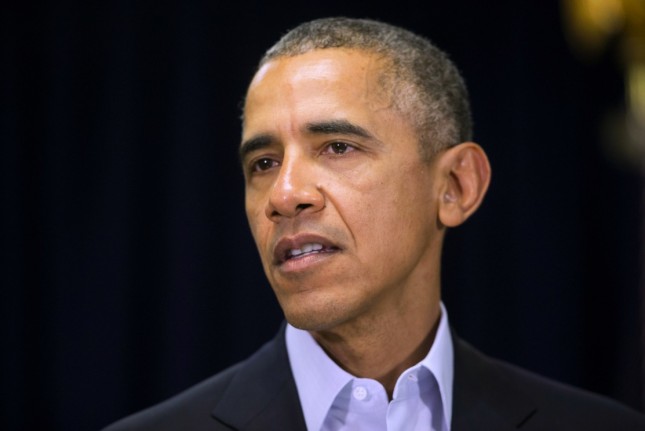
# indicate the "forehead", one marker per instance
pixel 331 64
pixel 328 81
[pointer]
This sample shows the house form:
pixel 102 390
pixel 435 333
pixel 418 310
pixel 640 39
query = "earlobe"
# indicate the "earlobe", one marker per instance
pixel 466 175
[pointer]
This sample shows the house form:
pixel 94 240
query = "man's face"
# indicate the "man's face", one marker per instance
pixel 340 204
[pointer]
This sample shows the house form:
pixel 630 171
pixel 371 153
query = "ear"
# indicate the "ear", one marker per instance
pixel 465 172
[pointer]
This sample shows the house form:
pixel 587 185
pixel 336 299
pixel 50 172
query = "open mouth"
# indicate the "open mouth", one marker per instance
pixel 307 250
pixel 302 246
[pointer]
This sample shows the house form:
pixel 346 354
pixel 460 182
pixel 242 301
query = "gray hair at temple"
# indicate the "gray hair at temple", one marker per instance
pixel 426 85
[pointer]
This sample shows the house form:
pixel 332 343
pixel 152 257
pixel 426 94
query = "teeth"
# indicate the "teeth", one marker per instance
pixel 306 248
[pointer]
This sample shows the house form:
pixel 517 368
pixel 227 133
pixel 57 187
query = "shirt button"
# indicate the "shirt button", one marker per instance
pixel 360 393
pixel 412 378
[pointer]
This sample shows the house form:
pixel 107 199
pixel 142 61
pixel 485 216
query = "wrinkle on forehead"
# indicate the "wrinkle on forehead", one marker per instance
pixel 376 70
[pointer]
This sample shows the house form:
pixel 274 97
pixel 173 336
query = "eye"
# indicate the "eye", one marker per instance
pixel 339 147
pixel 263 164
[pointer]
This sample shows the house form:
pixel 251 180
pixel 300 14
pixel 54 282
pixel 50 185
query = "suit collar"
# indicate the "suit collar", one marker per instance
pixel 262 394
pixel 483 397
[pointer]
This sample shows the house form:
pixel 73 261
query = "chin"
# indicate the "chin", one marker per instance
pixel 313 317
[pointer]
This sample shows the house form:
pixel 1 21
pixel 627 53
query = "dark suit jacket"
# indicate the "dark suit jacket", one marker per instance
pixel 260 394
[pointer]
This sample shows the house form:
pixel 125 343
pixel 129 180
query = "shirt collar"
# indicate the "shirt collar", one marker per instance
pixel 440 362
pixel 319 379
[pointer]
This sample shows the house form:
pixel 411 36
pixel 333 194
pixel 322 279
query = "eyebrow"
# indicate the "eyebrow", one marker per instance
pixel 329 127
pixel 337 127
pixel 254 144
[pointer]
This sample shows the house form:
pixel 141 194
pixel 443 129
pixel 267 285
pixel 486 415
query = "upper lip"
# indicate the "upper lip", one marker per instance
pixel 285 244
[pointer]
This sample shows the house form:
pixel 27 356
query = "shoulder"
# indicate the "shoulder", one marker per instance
pixel 258 393
pixel 530 400
pixel 190 409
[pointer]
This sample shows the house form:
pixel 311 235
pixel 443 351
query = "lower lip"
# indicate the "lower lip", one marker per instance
pixel 306 262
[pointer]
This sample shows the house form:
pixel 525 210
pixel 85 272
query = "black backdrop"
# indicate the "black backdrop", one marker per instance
pixel 128 274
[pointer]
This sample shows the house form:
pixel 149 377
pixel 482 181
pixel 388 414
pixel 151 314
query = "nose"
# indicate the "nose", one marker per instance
pixel 294 191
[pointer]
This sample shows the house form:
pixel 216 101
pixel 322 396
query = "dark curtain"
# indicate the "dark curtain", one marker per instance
pixel 128 272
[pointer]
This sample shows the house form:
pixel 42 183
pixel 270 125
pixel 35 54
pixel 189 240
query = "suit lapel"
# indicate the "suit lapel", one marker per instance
pixel 262 394
pixel 483 398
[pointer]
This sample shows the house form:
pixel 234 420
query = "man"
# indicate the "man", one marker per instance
pixel 357 157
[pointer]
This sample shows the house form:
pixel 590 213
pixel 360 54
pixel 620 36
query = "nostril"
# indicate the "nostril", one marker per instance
pixel 301 207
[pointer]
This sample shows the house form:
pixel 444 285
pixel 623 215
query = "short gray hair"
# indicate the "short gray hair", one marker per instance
pixel 427 88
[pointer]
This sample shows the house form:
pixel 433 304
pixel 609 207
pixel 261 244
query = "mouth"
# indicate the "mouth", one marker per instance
pixel 302 246
pixel 308 249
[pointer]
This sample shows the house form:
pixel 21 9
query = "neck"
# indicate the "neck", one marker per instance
pixel 384 347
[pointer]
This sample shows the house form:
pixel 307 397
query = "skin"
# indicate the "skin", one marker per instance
pixel 329 159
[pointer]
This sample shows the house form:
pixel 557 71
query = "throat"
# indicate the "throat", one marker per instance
pixel 383 360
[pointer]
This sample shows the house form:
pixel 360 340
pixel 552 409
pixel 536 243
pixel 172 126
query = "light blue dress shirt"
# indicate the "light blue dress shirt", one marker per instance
pixel 333 399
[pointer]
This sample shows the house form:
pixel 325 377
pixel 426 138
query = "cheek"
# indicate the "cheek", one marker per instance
pixel 386 193
pixel 255 198
pixel 258 222
pixel 390 210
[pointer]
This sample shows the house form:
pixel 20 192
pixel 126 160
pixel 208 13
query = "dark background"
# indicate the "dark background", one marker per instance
pixel 127 270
